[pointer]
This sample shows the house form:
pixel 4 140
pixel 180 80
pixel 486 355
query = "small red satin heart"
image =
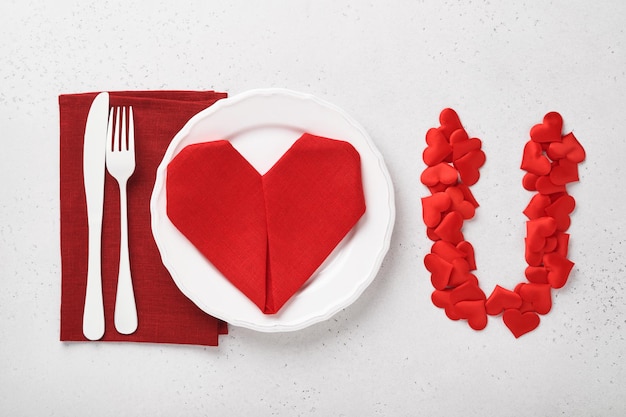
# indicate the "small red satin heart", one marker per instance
pixel 469 165
pixel 560 211
pixel 564 171
pixel 536 274
pixel 529 182
pixel 526 307
pixel 562 245
pixel 458 203
pixel 441 299
pixel 440 270
pixel 460 149
pixel 468 250
pixel 559 268
pixel 460 272
pixel 462 144
pixel 433 206
pixel 500 300
pixel 539 295
pixel 549 130
pixel 450 228
pixel 568 148
pixel 467 194
pixel 457 258
pixel 533 258
pixel 438 148
pixel 468 291
pixel 546 186
pixel 449 121
pixel 458 136
pixel 537 230
pixel 537 206
pixel 474 312
pixel 430 233
pixel 520 323
pixel 447 251
pixel 533 159
pixel 441 173
pixel 550 245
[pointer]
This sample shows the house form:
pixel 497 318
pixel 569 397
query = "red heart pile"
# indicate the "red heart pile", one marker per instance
pixel 453 160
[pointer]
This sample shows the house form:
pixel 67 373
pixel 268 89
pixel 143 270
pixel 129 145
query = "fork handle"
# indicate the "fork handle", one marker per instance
pixel 125 308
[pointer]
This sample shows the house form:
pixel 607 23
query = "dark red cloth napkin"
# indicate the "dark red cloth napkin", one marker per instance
pixel 268 233
pixel 165 315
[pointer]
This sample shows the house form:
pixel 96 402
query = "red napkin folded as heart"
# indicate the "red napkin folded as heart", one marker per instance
pixel 165 315
pixel 267 234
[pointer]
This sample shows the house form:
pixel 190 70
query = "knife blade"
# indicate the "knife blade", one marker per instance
pixel 93 176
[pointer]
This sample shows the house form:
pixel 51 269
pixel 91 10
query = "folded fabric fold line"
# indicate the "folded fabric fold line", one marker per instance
pixel 165 315
pixel 267 234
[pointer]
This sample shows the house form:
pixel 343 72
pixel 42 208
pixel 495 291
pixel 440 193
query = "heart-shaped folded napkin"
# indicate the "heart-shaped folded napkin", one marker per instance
pixel 165 315
pixel 267 234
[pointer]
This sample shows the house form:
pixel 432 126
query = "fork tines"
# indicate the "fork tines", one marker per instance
pixel 123 134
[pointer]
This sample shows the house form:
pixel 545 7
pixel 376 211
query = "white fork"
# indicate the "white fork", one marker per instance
pixel 120 162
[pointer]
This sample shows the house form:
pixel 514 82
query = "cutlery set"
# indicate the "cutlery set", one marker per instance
pixel 109 143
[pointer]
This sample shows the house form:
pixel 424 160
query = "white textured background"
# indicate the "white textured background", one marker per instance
pixel 392 65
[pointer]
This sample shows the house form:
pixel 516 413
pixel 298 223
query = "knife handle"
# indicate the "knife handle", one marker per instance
pixel 93 313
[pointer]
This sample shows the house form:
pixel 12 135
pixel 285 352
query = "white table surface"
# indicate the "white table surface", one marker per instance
pixel 392 65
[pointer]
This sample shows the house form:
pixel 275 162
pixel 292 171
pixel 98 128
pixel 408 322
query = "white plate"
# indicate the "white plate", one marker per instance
pixel 262 125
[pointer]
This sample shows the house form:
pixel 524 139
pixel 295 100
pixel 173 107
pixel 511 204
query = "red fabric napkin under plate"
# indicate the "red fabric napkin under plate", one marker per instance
pixel 165 315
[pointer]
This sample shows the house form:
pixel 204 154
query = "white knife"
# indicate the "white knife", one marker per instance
pixel 93 176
